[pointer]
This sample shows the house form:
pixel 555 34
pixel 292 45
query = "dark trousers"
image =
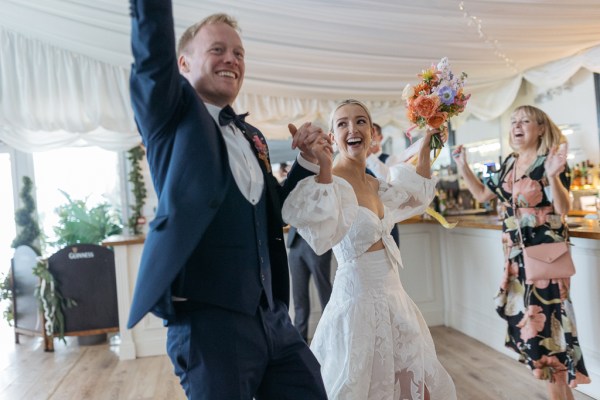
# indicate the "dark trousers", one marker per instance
pixel 304 262
pixel 220 354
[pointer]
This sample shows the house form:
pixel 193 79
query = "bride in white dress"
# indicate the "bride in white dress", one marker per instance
pixel 372 341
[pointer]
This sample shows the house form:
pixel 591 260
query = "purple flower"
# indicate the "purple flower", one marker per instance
pixel 446 95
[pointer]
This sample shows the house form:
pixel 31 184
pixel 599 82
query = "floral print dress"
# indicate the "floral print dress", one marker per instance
pixel 540 316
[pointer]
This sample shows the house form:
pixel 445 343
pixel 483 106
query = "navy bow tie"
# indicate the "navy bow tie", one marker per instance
pixel 227 116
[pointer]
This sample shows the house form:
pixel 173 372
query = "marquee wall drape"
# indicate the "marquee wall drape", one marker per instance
pixel 64 65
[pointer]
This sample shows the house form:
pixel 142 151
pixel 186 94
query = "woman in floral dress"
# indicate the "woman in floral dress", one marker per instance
pixel 540 316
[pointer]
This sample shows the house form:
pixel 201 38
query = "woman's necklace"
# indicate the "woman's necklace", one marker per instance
pixel 524 165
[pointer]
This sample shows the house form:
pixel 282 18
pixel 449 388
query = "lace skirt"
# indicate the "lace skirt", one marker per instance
pixel 372 341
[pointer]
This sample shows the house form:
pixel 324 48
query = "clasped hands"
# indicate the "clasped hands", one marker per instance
pixel 314 143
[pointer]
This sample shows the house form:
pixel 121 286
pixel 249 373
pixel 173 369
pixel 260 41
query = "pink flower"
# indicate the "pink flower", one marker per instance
pixel 259 145
pixel 532 323
pixel 510 269
pixel 529 192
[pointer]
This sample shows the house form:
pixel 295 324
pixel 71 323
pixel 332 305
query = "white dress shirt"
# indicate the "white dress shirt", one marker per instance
pixel 379 168
pixel 242 159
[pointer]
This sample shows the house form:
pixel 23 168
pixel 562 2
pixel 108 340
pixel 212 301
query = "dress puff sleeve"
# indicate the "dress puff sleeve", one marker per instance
pixel 408 194
pixel 322 213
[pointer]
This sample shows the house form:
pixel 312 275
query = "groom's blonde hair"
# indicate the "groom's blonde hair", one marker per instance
pixel 191 32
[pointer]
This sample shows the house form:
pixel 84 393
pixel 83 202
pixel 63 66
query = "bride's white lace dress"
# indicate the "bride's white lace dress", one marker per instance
pixel 372 341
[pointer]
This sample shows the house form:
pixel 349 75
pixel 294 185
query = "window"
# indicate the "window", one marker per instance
pixel 84 173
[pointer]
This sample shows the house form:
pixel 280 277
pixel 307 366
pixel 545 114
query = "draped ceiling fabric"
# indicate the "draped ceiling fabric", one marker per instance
pixel 64 64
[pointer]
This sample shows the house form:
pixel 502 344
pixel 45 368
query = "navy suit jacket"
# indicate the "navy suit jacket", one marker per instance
pixel 188 161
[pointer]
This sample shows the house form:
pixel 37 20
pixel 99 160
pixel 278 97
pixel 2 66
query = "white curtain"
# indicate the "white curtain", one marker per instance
pixel 53 98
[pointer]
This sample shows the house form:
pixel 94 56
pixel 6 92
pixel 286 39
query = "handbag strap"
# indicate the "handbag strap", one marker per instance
pixel 512 199
pixel 515 210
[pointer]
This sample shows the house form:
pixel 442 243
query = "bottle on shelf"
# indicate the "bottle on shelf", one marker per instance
pixel 576 174
pixel 443 205
pixel 589 178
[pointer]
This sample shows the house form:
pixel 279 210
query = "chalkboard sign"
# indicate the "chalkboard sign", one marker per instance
pixel 85 273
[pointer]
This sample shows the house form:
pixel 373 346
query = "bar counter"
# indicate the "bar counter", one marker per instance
pixel 579 227
pixel 452 275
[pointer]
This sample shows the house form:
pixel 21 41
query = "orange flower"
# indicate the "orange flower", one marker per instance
pixel 412 115
pixel 422 87
pixel 426 106
pixel 437 119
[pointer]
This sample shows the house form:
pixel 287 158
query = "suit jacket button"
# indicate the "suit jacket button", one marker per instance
pixel 262 276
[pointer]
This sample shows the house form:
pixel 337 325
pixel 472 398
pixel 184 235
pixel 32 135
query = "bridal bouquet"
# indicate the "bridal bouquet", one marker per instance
pixel 435 99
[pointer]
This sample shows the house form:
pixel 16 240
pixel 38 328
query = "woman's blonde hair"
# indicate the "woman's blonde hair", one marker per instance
pixel 344 103
pixel 551 135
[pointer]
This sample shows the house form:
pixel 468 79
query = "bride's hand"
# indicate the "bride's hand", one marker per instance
pixel 304 137
pixel 322 149
pixel 441 132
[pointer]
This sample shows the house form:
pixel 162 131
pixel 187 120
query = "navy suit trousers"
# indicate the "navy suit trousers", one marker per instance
pixel 222 354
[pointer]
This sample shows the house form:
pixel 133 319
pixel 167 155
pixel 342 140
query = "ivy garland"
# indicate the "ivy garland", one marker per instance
pixel 51 300
pixel 6 294
pixel 137 220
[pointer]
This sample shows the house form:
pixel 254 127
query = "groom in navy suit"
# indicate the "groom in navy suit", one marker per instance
pixel 214 264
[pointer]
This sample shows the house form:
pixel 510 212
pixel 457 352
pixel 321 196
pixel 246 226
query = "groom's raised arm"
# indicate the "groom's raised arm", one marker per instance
pixel 155 82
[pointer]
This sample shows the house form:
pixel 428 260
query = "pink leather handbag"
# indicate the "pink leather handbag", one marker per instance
pixel 547 260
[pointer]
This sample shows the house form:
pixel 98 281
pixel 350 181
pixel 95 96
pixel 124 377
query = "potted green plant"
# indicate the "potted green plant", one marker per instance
pixel 79 223
pixel 28 235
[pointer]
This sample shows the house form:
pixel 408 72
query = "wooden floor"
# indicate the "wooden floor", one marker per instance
pixel 76 372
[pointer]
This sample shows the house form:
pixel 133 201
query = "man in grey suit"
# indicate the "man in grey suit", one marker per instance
pixel 304 263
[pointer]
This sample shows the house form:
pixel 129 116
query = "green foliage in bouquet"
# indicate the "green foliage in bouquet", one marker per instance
pixel 80 224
